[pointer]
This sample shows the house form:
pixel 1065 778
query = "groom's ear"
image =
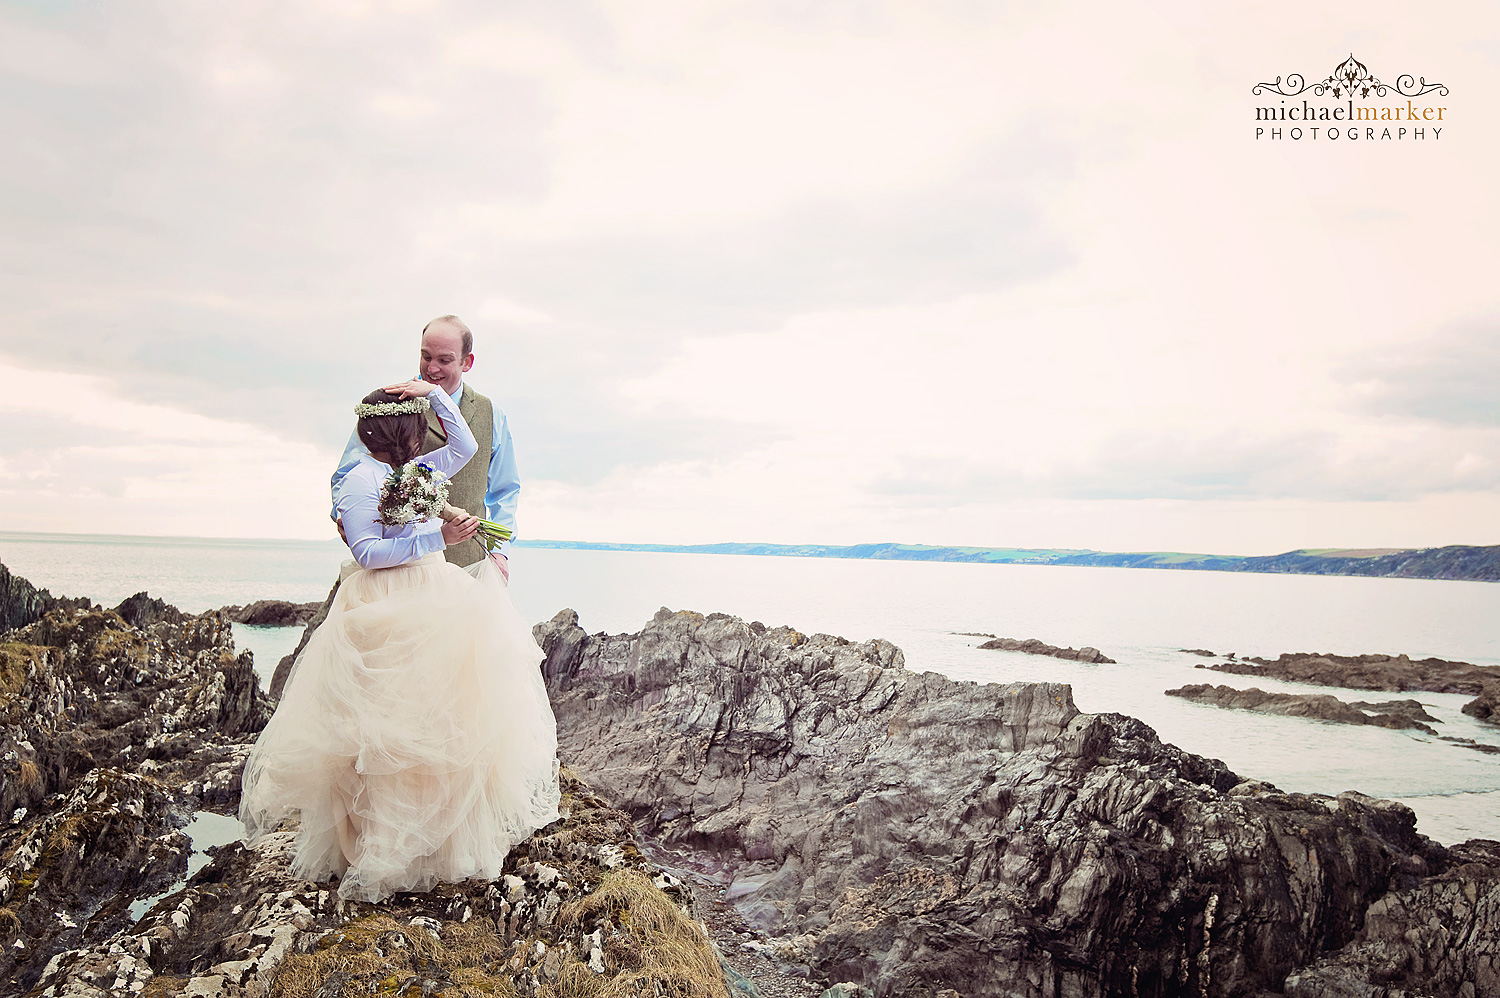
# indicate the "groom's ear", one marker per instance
pixel 468 363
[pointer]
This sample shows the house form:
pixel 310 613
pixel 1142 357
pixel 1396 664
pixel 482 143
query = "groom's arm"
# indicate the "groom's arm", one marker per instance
pixel 504 486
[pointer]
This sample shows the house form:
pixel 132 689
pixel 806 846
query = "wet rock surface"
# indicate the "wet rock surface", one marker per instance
pixel 283 670
pixel 915 835
pixel 272 613
pixel 1035 646
pixel 21 603
pixel 110 737
pixel 1486 706
pixel 1399 714
pixel 70 873
pixel 1367 672
pixel 576 900
pixel 143 610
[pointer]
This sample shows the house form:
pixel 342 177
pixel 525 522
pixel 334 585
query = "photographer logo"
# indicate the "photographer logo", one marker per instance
pixel 1351 105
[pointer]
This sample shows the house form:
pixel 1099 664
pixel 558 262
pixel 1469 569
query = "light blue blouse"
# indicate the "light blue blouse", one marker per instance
pixel 503 486
pixel 356 497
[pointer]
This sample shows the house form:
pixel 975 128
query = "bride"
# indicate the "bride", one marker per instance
pixel 414 737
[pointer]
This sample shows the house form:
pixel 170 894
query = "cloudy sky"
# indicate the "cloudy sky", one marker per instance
pixel 948 272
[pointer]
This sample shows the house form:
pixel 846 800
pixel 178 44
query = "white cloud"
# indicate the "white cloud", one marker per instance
pixel 504 312
pixel 937 272
pixel 83 459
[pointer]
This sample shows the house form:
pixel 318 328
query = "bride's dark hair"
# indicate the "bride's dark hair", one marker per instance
pixel 399 437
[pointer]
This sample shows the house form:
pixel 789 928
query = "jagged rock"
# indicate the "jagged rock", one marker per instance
pixel 272 613
pixel 85 689
pixel 1486 706
pixel 142 723
pixel 1441 937
pixel 1033 646
pixel 21 603
pixel 1388 714
pixel 284 667
pixel 70 872
pixel 242 926
pixel 143 610
pixel 1368 672
pixel 910 833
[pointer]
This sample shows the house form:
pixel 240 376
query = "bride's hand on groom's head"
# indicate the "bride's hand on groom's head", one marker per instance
pixel 410 389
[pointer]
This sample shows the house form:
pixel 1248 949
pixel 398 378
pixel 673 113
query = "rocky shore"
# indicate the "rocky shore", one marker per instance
pixel 577 910
pixel 1397 714
pixel 283 669
pixel 846 827
pixel 272 613
pixel 918 835
pixel 1035 646
pixel 1486 706
pixel 1391 673
pixel 21 603
pixel 113 735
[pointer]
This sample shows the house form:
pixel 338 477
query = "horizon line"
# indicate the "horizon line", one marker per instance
pixel 664 547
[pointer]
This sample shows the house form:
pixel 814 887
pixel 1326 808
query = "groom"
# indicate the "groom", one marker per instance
pixel 489 484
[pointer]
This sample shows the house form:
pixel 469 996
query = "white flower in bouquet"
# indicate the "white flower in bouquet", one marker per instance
pixel 415 491
pixel 412 492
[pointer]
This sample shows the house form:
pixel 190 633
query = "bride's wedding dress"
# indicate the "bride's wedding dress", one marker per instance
pixel 415 736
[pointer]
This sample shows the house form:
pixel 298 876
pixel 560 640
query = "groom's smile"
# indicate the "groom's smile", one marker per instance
pixel 445 357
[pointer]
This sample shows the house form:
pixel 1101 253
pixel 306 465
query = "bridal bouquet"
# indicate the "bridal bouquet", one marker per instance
pixel 415 491
pixel 412 492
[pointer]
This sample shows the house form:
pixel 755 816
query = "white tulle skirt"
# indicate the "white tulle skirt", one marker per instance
pixel 414 736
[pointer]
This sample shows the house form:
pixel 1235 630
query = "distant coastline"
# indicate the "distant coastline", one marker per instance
pixel 1460 562
pixel 1456 563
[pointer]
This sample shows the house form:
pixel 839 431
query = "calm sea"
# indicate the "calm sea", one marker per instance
pixel 1140 617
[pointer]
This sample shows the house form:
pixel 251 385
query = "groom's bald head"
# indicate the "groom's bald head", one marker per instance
pixel 447 352
pixel 455 323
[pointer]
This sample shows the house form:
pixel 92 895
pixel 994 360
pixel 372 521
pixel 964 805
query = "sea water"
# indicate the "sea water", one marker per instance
pixel 1141 617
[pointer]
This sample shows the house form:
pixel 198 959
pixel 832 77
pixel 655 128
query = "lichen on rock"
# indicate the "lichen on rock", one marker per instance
pixel 573 913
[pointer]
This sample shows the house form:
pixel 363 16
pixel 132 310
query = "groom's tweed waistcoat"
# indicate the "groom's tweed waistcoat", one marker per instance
pixel 469 484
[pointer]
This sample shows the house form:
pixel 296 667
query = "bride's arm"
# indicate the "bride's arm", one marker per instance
pixel 461 443
pixel 358 506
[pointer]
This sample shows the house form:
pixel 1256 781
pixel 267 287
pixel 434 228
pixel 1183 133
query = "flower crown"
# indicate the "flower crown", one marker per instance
pixel 417 404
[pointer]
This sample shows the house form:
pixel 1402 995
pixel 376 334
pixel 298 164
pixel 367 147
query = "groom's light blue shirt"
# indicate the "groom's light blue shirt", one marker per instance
pixel 503 488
